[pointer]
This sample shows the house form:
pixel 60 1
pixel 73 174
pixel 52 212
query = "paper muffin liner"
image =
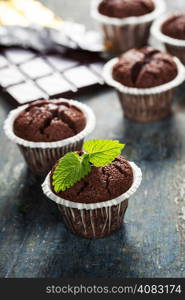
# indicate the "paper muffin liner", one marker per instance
pixel 41 156
pixel 126 33
pixel 174 46
pixel 149 104
pixel 94 220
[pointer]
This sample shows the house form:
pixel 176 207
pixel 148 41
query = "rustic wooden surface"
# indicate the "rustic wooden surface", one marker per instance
pixel 151 243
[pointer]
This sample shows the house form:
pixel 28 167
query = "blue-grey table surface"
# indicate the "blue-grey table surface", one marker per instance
pixel 151 243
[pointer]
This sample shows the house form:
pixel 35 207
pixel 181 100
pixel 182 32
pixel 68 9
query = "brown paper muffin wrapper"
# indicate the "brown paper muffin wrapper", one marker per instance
pixel 94 220
pixel 175 47
pixel 145 105
pixel 41 156
pixel 123 34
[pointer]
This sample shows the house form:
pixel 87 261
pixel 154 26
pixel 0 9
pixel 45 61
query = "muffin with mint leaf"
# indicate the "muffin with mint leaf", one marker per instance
pixel 92 187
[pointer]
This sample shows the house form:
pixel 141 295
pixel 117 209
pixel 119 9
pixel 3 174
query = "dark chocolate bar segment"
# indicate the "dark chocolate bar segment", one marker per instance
pixel 97 68
pixel 81 76
pixel 54 84
pixel 10 76
pixel 3 62
pixel 35 68
pixel 60 63
pixel 26 92
pixel 17 55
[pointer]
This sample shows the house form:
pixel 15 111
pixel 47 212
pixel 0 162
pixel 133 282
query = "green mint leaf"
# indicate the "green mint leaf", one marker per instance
pixel 102 152
pixel 70 169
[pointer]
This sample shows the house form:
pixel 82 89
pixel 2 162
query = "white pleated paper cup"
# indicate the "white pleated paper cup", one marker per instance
pixel 174 46
pixel 126 33
pixel 149 104
pixel 94 220
pixel 41 156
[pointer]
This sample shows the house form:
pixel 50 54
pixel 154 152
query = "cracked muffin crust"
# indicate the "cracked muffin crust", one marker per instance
pixel 125 8
pixel 102 184
pixel 175 27
pixel 144 68
pixel 49 121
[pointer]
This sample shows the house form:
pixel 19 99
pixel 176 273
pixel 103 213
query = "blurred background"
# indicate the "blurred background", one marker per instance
pixel 69 11
pixel 82 16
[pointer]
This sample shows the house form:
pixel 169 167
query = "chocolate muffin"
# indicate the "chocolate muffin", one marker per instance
pixel 102 184
pixel 144 68
pixel 49 121
pixel 174 27
pixel 92 187
pixel 125 8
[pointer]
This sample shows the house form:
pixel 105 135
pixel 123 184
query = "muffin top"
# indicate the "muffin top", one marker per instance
pixel 102 184
pixel 144 68
pixel 125 8
pixel 49 121
pixel 175 27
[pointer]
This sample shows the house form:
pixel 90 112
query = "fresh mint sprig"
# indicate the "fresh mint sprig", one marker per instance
pixel 73 167
pixel 70 169
pixel 102 152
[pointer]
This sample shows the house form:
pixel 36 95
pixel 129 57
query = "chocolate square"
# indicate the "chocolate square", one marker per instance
pixel 97 67
pixel 61 63
pixel 81 77
pixel 3 61
pixel 36 68
pixel 54 84
pixel 10 76
pixel 26 92
pixel 17 55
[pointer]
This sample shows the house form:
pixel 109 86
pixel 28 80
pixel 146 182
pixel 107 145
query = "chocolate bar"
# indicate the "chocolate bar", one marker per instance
pixel 26 75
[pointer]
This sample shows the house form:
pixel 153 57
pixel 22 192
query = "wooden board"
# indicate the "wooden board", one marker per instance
pixel 34 241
